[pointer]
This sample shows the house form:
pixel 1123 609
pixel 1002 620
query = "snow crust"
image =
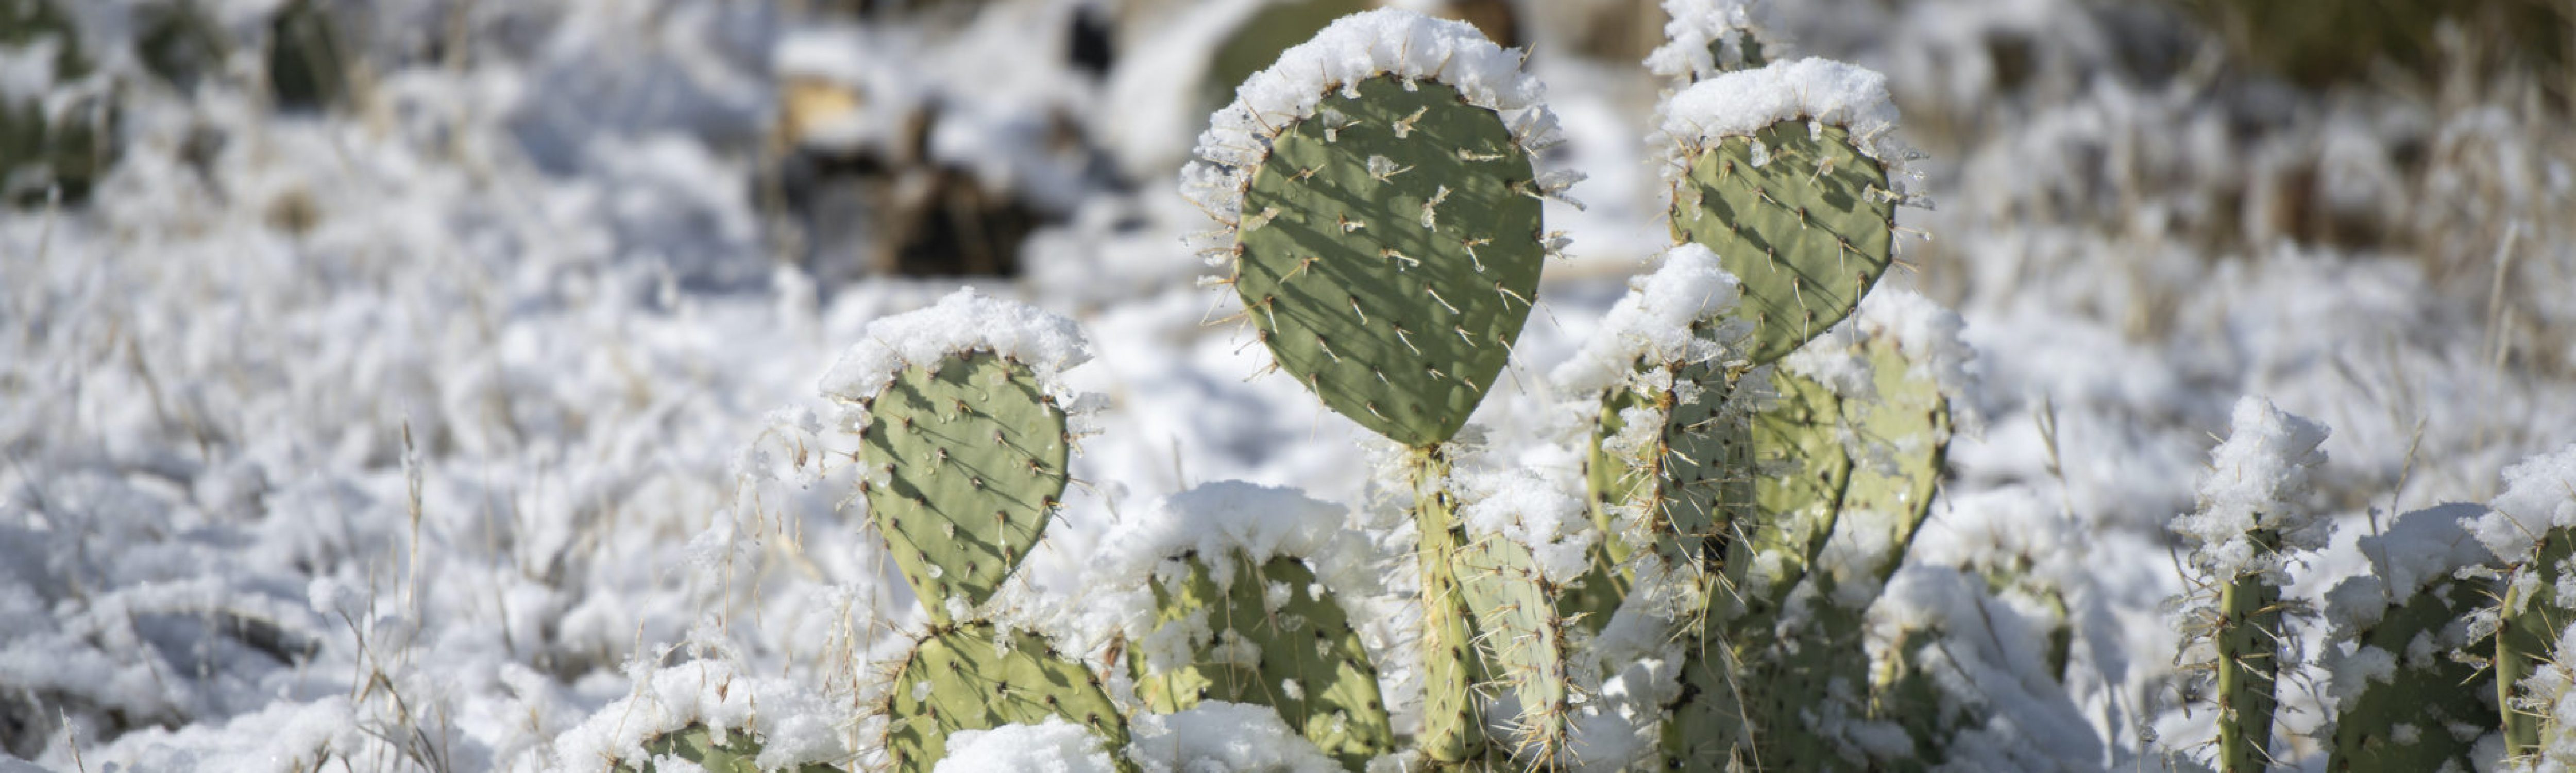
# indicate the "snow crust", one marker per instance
pixel 1653 322
pixel 2258 479
pixel 1355 48
pixel 964 321
pixel 1705 37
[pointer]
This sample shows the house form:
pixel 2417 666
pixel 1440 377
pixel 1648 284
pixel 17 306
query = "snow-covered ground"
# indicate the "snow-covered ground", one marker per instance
pixel 416 429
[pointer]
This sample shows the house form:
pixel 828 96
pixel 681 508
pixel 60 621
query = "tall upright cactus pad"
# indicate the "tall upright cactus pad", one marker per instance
pixel 1792 211
pixel 1277 640
pixel 965 461
pixel 2249 519
pixel 1453 728
pixel 1389 247
pixel 971 678
pixel 2249 638
pixel 739 753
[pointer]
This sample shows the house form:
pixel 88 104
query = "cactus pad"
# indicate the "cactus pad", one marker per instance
pixel 2404 723
pixel 1452 728
pixel 1524 637
pixel 964 463
pixel 967 678
pixel 1797 214
pixel 1305 660
pixel 2532 619
pixel 1800 473
pixel 1388 250
pixel 695 743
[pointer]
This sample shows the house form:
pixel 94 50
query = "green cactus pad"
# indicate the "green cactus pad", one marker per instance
pixel 1807 232
pixel 2532 621
pixel 2404 724
pixel 739 754
pixel 1311 667
pixel 1453 730
pixel 1800 473
pixel 1525 639
pixel 1904 437
pixel 963 678
pixel 1397 311
pixel 964 466
pixel 1708 731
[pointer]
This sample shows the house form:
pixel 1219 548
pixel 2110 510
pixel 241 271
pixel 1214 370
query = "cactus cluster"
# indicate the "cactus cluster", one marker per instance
pixel 1767 437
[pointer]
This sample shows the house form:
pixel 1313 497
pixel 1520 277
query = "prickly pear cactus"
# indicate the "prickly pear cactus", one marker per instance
pixel 1790 210
pixel 2249 522
pixel 1798 676
pixel 965 459
pixel 969 677
pixel 739 753
pixel 1453 728
pixel 1277 640
pixel 1524 638
pixel 2532 618
pixel 2409 694
pixel 1389 247
pixel 1782 170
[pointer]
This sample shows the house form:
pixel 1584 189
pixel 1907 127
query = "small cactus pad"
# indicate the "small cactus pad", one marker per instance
pixel 738 754
pixel 968 678
pixel 1797 214
pixel 1279 641
pixel 2404 723
pixel 964 463
pixel 1388 251
pixel 2532 620
pixel 1525 639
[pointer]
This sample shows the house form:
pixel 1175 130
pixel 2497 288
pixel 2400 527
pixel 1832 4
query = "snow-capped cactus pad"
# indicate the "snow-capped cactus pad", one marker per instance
pixel 1706 37
pixel 975 677
pixel 1660 366
pixel 964 438
pixel 1385 218
pixel 1526 541
pixel 1783 171
pixel 2404 698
